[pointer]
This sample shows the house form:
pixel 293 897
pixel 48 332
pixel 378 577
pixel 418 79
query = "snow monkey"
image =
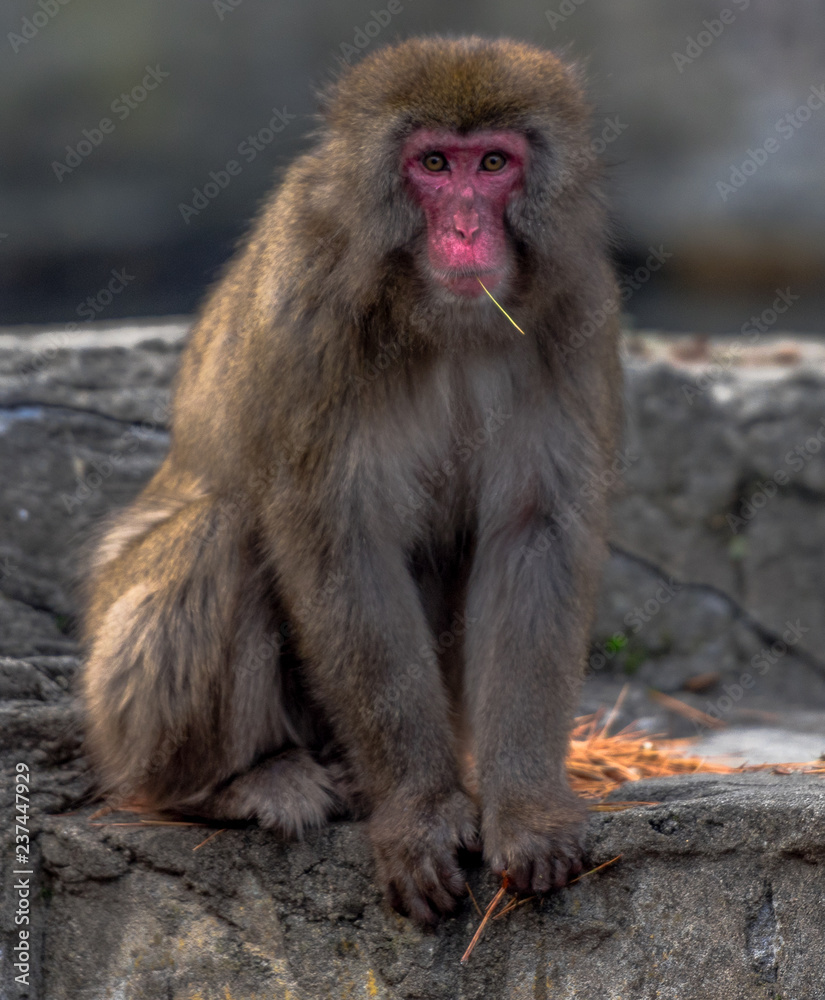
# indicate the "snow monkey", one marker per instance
pixel 363 578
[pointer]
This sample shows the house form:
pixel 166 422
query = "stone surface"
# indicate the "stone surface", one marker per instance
pixel 718 892
pixel 717 895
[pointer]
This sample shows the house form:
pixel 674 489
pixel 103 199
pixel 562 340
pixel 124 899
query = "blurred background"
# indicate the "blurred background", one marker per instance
pixel 118 120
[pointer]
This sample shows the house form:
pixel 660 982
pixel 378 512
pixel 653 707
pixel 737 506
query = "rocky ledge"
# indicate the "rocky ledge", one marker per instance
pixel 714 593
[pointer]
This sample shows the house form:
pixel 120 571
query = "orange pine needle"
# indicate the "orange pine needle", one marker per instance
pixel 103 811
pixel 154 822
pixel 685 710
pixel 597 764
pixel 505 882
pixel 609 807
pixel 512 905
pixel 611 715
pixel 598 868
pixel 197 847
pixel 475 901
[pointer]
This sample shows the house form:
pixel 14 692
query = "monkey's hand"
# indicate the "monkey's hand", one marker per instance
pixel 539 847
pixel 415 842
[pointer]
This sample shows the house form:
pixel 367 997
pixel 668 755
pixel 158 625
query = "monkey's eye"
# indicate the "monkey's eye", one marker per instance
pixel 493 161
pixel 435 161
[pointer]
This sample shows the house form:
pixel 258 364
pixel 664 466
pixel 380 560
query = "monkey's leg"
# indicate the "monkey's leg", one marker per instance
pixel 371 662
pixel 530 605
pixel 288 791
pixel 183 688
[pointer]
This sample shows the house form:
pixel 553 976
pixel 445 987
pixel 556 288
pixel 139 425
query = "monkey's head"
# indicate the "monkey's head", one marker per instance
pixel 464 184
pixel 465 159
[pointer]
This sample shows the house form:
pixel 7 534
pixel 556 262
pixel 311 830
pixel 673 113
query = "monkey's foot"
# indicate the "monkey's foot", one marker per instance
pixel 416 842
pixel 539 849
pixel 289 792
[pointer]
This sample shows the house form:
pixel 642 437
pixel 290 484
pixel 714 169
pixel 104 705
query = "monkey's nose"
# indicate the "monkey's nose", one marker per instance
pixel 466 224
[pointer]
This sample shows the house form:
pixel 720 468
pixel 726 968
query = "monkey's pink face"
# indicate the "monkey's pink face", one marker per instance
pixel 463 183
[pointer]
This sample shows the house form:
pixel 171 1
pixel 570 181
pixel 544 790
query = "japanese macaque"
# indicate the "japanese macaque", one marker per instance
pixel 362 580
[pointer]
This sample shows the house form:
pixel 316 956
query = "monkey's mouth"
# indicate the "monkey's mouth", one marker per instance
pixel 466 283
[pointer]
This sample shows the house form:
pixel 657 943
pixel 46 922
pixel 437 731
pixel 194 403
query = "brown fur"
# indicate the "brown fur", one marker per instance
pixel 356 459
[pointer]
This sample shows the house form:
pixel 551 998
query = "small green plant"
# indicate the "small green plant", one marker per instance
pixel 616 642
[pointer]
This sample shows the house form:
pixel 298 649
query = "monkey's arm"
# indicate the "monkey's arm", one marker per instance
pixel 370 660
pixel 530 600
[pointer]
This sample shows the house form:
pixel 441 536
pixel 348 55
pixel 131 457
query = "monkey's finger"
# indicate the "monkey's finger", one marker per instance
pixel 452 877
pixel 559 870
pixel 574 866
pixel 415 905
pixel 470 838
pixel 441 900
pixel 520 874
pixel 544 874
pixel 441 884
pixel 445 896
pixel 421 913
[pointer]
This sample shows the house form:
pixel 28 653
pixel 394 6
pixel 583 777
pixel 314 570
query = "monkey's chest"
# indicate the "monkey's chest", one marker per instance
pixel 434 461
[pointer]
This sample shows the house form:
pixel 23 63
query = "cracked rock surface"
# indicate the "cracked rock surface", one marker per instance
pixel 717 895
pixel 716 570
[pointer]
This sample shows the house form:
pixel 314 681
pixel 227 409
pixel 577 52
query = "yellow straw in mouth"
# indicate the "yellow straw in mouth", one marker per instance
pixel 515 324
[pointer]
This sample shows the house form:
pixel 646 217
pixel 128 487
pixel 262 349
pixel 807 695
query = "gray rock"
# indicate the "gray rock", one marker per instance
pixel 717 894
pixel 718 891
